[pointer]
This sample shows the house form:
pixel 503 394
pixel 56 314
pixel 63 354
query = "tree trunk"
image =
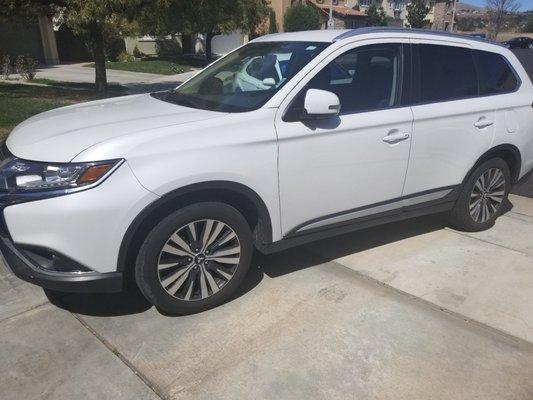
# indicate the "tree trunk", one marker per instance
pixel 186 44
pixel 100 76
pixel 208 38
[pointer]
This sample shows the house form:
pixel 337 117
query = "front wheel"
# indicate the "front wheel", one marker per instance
pixel 482 197
pixel 195 258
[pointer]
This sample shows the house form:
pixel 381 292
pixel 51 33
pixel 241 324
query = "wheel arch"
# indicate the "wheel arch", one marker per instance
pixel 509 153
pixel 241 197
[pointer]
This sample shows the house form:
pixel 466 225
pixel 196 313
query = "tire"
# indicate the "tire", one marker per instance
pixel 479 203
pixel 180 275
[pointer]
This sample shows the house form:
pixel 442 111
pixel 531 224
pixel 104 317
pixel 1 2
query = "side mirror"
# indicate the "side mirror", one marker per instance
pixel 320 104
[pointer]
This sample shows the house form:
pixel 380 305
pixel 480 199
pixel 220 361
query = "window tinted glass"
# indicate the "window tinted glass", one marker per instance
pixel 495 74
pixel 446 73
pixel 365 78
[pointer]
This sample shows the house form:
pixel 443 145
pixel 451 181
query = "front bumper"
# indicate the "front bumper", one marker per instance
pixel 81 282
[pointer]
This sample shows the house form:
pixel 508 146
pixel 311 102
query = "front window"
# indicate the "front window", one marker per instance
pixel 247 78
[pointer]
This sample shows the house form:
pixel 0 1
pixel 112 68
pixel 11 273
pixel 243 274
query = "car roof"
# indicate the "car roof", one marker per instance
pixel 327 36
pixel 335 35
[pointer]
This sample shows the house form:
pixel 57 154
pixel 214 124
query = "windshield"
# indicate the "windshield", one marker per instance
pixel 247 78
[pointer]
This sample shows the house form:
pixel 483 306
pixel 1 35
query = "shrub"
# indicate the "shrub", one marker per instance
pixel 137 53
pixel 301 17
pixel 376 16
pixel 176 69
pixel 5 66
pixel 113 48
pixel 529 24
pixel 417 12
pixel 26 67
pixel 124 57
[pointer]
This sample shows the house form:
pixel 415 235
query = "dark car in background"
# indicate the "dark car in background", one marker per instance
pixel 522 42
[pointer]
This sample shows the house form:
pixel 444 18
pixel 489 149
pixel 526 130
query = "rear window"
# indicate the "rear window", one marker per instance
pixel 446 73
pixel 495 74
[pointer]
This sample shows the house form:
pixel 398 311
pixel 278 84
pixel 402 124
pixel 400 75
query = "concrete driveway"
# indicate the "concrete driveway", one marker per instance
pixel 411 310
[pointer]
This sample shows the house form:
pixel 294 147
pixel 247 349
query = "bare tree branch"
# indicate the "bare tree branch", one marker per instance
pixel 497 10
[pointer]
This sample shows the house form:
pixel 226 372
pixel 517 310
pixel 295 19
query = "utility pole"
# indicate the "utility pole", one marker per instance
pixel 331 23
pixel 453 15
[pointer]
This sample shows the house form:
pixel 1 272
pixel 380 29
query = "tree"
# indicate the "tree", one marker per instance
pixel 416 14
pixel 97 23
pixel 376 16
pixel 529 24
pixel 252 16
pixel 272 24
pixel 469 24
pixel 210 17
pixel 301 17
pixel 497 10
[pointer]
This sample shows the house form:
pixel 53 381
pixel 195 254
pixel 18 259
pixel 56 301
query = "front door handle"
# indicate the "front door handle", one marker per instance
pixel 483 123
pixel 394 136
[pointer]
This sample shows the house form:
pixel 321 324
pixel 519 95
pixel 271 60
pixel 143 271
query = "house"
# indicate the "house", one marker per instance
pixel 346 14
pixel 37 39
pixel 439 16
pixel 352 13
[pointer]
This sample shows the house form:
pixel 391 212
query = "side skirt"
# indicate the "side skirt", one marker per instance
pixel 325 232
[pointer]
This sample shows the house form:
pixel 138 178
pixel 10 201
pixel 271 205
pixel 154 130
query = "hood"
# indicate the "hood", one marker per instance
pixel 59 135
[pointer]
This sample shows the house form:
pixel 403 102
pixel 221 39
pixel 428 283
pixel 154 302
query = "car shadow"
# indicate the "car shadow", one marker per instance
pixel 525 186
pixel 327 250
pixel 127 302
pixel 131 301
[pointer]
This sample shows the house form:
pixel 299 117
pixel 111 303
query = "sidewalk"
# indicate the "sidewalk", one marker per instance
pixel 137 82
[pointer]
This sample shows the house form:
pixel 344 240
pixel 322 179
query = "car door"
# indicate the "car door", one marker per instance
pixel 453 125
pixel 336 170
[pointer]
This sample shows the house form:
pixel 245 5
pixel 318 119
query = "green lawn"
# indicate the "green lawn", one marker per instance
pixel 149 66
pixel 111 87
pixel 19 102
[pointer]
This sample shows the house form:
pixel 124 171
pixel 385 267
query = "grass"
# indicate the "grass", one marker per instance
pixel 161 67
pixel 19 102
pixel 111 87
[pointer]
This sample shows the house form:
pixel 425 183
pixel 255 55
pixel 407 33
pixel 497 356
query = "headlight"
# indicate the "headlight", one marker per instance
pixel 31 176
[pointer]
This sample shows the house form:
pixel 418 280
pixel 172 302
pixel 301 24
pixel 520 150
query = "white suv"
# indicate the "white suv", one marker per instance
pixel 340 130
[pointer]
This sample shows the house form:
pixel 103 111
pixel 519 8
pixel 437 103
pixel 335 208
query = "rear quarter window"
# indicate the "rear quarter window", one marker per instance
pixel 495 73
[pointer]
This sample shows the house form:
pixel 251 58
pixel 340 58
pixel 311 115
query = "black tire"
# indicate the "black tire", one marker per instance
pixel 461 217
pixel 146 268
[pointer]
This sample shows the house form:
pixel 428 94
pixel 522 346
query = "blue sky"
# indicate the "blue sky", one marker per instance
pixel 525 4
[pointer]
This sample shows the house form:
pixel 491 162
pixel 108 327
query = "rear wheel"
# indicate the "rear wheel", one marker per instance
pixel 195 258
pixel 482 197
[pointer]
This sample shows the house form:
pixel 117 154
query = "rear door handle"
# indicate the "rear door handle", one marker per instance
pixel 483 123
pixel 394 136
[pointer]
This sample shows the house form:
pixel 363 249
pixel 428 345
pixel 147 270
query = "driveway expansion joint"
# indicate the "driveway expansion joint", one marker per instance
pixel 465 320
pixel 487 241
pixel 24 311
pixel 158 392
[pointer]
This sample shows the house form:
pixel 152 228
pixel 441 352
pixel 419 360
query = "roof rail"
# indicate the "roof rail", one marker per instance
pixel 381 29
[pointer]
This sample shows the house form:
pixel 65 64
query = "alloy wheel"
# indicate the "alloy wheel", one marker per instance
pixel 198 259
pixel 487 195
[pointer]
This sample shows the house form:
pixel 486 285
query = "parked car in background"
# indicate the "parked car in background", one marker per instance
pixel 291 138
pixel 522 42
